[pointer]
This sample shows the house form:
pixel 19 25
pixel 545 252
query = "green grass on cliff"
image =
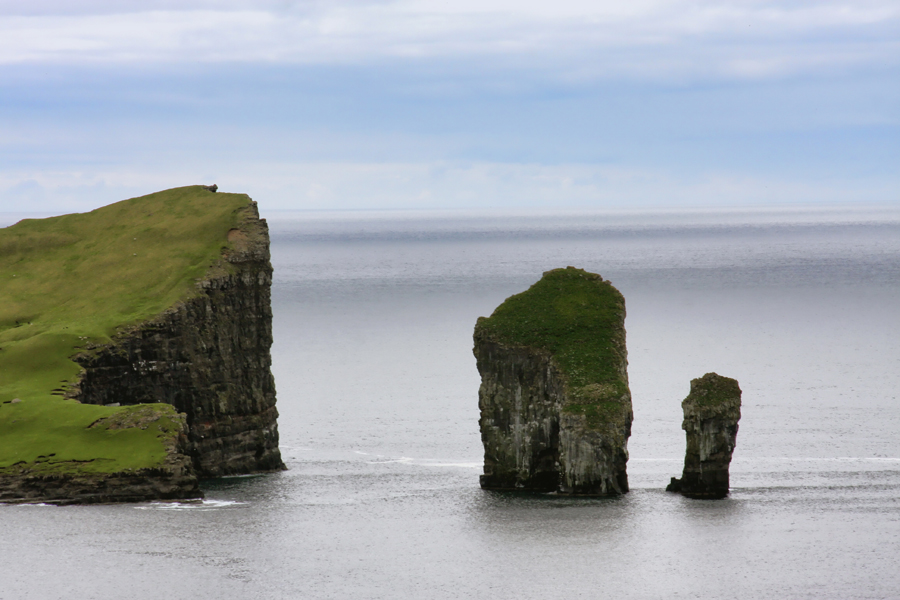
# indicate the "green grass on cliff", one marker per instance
pixel 579 319
pixel 51 435
pixel 74 280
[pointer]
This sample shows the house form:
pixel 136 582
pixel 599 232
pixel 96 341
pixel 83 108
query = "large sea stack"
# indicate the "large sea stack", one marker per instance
pixel 711 414
pixel 555 405
pixel 135 349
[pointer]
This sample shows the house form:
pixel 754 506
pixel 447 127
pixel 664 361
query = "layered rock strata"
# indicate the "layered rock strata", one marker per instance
pixel 555 404
pixel 711 414
pixel 209 357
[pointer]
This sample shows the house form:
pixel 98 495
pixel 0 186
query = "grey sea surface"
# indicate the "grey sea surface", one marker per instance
pixel 377 390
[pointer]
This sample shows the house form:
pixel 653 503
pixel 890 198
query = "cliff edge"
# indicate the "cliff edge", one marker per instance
pixel 134 349
pixel 555 404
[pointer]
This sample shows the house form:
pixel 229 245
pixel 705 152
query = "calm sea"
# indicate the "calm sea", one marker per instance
pixel 377 390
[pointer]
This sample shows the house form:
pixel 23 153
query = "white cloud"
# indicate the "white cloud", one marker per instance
pixel 649 39
pixel 435 185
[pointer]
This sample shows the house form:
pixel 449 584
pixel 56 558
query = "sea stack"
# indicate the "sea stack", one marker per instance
pixel 711 414
pixel 554 398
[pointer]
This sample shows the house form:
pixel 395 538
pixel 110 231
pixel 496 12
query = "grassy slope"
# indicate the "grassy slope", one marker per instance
pixel 72 280
pixel 578 319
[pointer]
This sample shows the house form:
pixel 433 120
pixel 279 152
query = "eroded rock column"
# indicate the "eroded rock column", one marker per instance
pixel 711 414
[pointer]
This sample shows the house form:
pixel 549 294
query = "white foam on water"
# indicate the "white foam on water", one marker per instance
pixel 191 505
pixel 424 462
pixel 787 458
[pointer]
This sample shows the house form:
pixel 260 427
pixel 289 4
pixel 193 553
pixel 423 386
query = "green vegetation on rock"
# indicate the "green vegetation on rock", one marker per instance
pixel 578 319
pixel 71 283
pixel 51 435
pixel 712 390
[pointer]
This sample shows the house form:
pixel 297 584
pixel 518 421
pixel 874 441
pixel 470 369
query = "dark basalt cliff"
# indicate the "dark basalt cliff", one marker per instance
pixel 209 357
pixel 520 399
pixel 555 405
pixel 711 414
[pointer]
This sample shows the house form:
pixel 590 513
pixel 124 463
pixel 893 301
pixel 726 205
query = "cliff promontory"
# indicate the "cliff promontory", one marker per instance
pixel 555 405
pixel 134 349
pixel 711 413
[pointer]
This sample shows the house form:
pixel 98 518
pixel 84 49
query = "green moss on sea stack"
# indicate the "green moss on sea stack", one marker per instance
pixel 579 319
pixel 712 390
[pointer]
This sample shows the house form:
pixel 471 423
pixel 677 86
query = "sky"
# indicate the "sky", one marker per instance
pixel 358 104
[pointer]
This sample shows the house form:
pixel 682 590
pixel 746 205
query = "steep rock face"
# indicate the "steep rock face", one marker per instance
pixel 208 356
pixel 520 399
pixel 711 414
pixel 594 457
pixel 555 406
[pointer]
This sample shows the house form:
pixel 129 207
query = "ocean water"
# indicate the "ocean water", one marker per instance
pixel 377 390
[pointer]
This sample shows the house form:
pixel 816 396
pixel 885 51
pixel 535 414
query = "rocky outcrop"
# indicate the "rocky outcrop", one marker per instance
pixel 520 399
pixel 55 483
pixel 711 414
pixel 209 357
pixel 555 405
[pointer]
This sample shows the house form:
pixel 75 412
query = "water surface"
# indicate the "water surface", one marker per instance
pixel 377 390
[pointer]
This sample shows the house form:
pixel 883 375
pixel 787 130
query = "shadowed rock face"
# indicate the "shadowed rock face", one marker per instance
pixel 711 414
pixel 554 399
pixel 209 357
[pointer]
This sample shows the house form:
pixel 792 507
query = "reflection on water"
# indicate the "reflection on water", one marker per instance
pixel 378 400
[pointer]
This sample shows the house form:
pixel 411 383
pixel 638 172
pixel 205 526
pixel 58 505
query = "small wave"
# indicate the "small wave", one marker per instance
pixel 191 505
pixel 402 460
pixel 425 462
pixel 822 459
pixel 786 458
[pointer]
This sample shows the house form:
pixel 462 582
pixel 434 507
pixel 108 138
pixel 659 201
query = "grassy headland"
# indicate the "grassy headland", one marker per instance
pixel 71 282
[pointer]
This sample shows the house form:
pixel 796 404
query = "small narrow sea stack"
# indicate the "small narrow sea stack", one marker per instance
pixel 711 414
pixel 555 405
